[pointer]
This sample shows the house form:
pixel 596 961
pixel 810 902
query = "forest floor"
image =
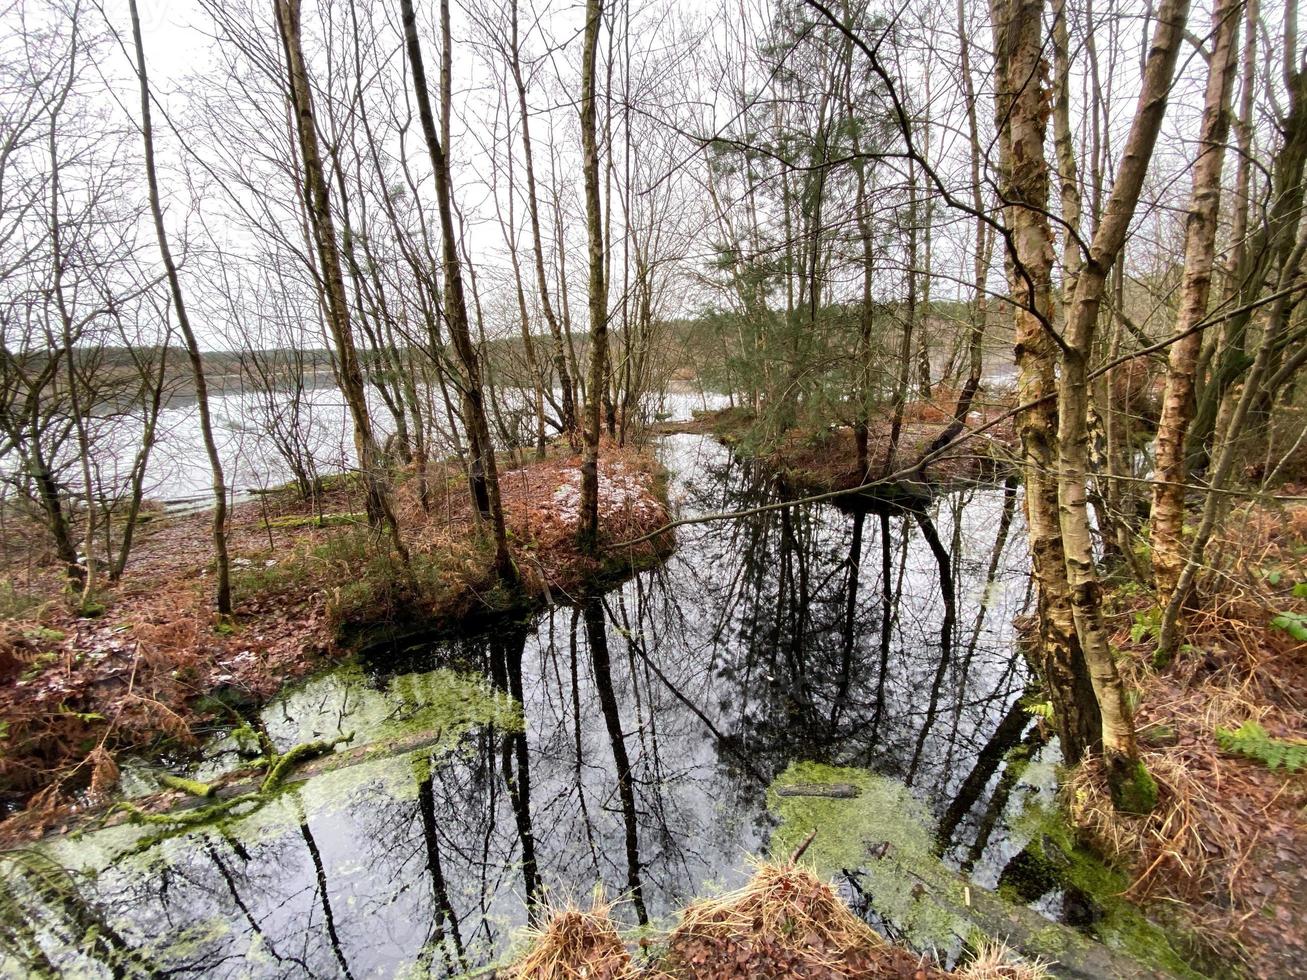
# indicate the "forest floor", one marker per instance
pixel 156 669
pixel 1224 727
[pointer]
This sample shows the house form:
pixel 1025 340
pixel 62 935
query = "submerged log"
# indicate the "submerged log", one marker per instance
pixel 837 791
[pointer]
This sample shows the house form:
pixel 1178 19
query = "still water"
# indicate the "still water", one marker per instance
pixel 652 719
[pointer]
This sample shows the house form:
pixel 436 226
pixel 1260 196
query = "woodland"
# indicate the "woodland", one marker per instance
pixel 770 488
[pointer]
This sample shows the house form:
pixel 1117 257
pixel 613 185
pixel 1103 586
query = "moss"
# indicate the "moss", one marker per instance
pixel 419 716
pixel 42 634
pixel 292 521
pixel 849 829
pixel 191 786
pixel 1133 789
pixel 297 754
pixel 435 701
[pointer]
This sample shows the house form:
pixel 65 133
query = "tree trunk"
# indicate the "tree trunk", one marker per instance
pixel 1132 788
pixel 1265 253
pixel 588 530
pixel 1178 402
pixel 980 269
pixel 1022 122
pixel 569 419
pixel 1229 428
pixel 474 414
pixel 371 466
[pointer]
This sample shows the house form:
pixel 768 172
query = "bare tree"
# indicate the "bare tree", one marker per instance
pixel 222 562
pixel 371 464
pixel 485 474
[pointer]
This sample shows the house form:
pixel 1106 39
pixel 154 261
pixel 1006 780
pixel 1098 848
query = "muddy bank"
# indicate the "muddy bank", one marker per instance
pixel 156 669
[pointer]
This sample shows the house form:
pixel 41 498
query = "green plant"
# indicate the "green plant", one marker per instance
pixel 1041 709
pixel 15 604
pixel 1295 624
pixel 1162 658
pixel 41 634
pixel 252 581
pixel 38 666
pixel 1252 741
pixel 1147 622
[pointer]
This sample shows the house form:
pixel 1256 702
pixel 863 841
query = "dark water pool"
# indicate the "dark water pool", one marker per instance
pixel 653 718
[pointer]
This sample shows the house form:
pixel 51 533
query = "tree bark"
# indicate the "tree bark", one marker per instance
pixel 1132 789
pixel 1021 116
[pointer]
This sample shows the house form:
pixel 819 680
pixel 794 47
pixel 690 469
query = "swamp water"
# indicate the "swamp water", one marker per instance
pixel 630 740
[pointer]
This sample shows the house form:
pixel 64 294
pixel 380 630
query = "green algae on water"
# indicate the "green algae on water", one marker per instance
pixel 424 714
pixel 345 701
pixel 849 830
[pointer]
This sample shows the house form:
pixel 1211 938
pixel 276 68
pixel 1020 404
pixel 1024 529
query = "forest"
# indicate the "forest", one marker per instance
pixel 640 488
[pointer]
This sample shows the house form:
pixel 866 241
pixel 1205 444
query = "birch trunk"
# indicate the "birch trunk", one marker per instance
pixel 1021 115
pixel 1132 789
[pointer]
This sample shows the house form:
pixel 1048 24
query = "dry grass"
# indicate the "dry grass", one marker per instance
pixel 998 961
pixel 576 944
pixel 784 922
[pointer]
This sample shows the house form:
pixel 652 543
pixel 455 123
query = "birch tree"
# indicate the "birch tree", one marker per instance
pixel 1178 402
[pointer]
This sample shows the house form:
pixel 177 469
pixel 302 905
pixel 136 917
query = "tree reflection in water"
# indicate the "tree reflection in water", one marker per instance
pixel 655 717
